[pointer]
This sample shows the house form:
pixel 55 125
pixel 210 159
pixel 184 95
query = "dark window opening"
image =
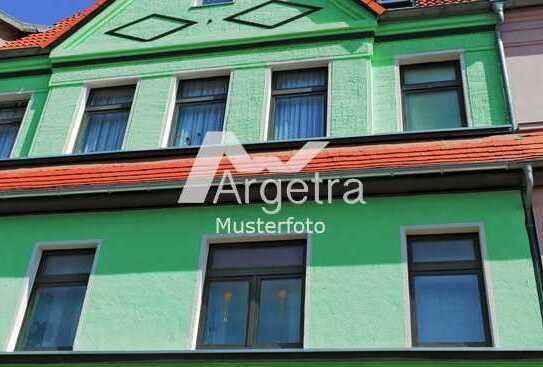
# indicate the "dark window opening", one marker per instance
pixel 299 101
pixel 433 96
pixel 254 296
pixel 11 116
pixel 201 105
pixel 53 312
pixel 448 297
pixel 106 117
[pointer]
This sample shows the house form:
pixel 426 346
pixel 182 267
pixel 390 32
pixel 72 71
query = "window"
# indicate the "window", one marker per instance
pixel 215 2
pixel 55 304
pixel 105 120
pixel 253 296
pixel 396 4
pixel 201 105
pixel 299 104
pixel 432 96
pixel 11 116
pixel 448 301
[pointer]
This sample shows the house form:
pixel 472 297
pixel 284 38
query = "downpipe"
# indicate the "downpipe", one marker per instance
pixel 498 7
pixel 535 249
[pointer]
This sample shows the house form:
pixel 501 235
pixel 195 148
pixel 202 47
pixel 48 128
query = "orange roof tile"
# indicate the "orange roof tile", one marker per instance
pixel 492 149
pixel 59 30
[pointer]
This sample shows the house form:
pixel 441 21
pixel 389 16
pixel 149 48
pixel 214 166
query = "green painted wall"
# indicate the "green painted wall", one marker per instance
pixel 143 293
pixel 35 90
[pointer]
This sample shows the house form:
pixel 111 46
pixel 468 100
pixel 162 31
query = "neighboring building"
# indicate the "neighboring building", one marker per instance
pixel 12 29
pixel 101 121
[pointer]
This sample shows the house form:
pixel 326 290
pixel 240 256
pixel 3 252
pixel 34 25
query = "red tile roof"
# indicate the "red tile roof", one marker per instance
pixel 493 149
pixel 432 3
pixel 59 30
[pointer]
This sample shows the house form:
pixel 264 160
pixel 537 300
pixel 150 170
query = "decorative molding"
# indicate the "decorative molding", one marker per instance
pixel 183 23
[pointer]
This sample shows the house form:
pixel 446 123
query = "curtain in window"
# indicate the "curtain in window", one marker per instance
pixel 8 134
pixel 302 113
pixel 105 132
pixel 299 117
pixel 202 108
pixel 111 96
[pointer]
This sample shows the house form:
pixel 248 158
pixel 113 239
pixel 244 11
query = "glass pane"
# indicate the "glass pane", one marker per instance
pixel 63 264
pixel 280 311
pixel 257 257
pixel 301 79
pixel 14 111
pixel 433 110
pixel 299 117
pixel 196 120
pixel 446 249
pixel 227 312
pixel 8 134
pixel 210 2
pixel 448 309
pixel 54 317
pixel 111 96
pixel 203 87
pixel 429 74
pixel 104 132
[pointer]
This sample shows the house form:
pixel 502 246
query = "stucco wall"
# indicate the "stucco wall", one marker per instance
pixel 143 293
pixel 523 39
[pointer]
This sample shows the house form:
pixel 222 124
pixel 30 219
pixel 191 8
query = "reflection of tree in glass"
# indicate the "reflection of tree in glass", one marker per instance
pixel 228 295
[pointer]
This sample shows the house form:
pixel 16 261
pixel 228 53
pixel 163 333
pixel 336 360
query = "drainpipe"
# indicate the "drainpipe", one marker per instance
pixel 535 248
pixel 498 7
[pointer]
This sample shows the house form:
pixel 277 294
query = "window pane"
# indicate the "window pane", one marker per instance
pixel 104 132
pixel 64 264
pixel 111 96
pixel 210 2
pixel 433 110
pixel 54 317
pixel 429 74
pixel 446 249
pixel 299 117
pixel 257 257
pixel 8 134
pixel 196 120
pixel 280 311
pixel 227 312
pixel 448 309
pixel 12 111
pixel 300 79
pixel 203 87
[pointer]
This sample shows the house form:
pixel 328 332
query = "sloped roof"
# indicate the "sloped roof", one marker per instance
pixel 393 156
pixel 55 33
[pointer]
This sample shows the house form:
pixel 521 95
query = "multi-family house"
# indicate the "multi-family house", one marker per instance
pixel 102 120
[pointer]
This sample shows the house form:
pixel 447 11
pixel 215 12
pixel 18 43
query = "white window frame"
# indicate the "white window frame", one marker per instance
pixel 79 113
pixel 291 66
pixel 29 98
pixel 444 229
pixel 31 273
pixel 210 240
pixel 424 58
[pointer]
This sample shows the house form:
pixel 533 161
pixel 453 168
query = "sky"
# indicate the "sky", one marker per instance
pixel 45 12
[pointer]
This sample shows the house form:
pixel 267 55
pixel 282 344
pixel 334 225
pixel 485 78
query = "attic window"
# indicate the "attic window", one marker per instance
pixel 213 2
pixel 396 4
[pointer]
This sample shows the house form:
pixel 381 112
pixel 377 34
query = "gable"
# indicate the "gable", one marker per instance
pixel 135 26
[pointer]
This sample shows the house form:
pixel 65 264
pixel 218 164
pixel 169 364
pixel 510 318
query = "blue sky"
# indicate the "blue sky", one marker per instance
pixel 44 12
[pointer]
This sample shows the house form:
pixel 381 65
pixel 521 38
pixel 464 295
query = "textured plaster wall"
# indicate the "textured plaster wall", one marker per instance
pixel 35 89
pixel 143 293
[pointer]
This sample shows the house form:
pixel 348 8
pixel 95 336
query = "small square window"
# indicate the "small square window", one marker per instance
pixel 105 120
pixel 11 116
pixel 53 312
pixel 432 96
pixel 299 104
pixel 257 302
pixel 448 297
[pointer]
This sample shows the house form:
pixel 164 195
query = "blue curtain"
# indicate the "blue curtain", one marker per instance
pixel 299 116
pixel 196 119
pixel 8 134
pixel 104 132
